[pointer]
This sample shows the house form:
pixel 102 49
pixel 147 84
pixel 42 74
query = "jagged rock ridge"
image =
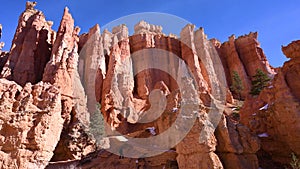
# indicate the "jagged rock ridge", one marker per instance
pixel 57 78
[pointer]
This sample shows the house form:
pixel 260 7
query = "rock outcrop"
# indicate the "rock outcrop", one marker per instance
pixel 165 100
pixel 31 47
pixel 111 161
pixel 134 72
pixel 91 58
pixel 61 71
pixel 291 68
pixel 274 114
pixel 38 56
pixel 144 27
pixel 3 59
pixel 3 54
pixel 252 55
pixel 244 56
pixel 232 62
pixel 292 50
pixel 236 145
pixel 127 75
pixel 30 124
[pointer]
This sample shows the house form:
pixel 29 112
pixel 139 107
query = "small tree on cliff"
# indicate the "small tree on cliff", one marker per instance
pixel 260 81
pixel 295 163
pixel 97 124
pixel 237 85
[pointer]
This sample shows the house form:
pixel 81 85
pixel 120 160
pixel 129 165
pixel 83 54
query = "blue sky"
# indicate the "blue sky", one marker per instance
pixel 276 21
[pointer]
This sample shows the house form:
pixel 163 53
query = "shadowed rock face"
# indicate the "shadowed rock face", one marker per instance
pixel 31 48
pixel 3 59
pixel 291 69
pixel 143 83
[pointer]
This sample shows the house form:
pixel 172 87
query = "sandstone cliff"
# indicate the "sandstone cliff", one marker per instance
pixel 61 71
pixel 274 114
pixel 129 72
pixel 50 117
pixel 244 55
pixel 165 101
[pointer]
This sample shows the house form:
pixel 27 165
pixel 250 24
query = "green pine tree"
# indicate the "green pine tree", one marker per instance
pixel 237 85
pixel 260 81
pixel 97 124
pixel 295 163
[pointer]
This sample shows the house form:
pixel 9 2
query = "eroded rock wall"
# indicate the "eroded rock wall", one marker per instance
pixel 124 85
pixel 30 124
pixel 57 79
pixel 274 114
pixel 62 72
pixel 244 56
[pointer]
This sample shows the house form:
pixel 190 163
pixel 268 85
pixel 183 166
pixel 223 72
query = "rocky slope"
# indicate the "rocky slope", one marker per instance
pixel 165 100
